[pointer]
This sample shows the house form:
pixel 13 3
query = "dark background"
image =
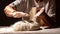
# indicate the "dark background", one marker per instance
pixel 6 21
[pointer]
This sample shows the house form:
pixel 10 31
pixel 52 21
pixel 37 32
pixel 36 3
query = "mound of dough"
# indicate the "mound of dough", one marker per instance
pixel 25 26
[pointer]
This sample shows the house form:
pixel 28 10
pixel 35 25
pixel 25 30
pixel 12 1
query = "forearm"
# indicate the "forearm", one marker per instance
pixel 40 12
pixel 9 11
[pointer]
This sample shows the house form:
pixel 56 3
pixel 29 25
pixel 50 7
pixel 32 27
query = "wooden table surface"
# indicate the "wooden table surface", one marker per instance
pixel 43 31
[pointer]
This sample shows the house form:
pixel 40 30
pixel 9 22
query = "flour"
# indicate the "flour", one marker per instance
pixel 25 26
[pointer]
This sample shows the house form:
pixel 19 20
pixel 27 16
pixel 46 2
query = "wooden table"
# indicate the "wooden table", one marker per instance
pixel 43 31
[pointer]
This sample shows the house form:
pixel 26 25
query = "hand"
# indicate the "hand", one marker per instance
pixel 19 14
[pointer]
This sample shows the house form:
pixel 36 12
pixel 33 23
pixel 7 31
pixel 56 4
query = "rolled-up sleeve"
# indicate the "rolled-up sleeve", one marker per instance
pixel 16 2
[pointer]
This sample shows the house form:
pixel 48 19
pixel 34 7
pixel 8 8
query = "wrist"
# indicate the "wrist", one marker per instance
pixel 13 11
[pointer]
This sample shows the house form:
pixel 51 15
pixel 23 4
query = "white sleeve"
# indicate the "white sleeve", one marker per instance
pixel 50 9
pixel 16 2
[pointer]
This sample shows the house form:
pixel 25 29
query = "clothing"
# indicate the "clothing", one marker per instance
pixel 50 10
pixel 26 5
pixel 23 5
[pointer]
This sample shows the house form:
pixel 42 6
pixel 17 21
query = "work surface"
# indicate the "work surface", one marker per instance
pixel 43 31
